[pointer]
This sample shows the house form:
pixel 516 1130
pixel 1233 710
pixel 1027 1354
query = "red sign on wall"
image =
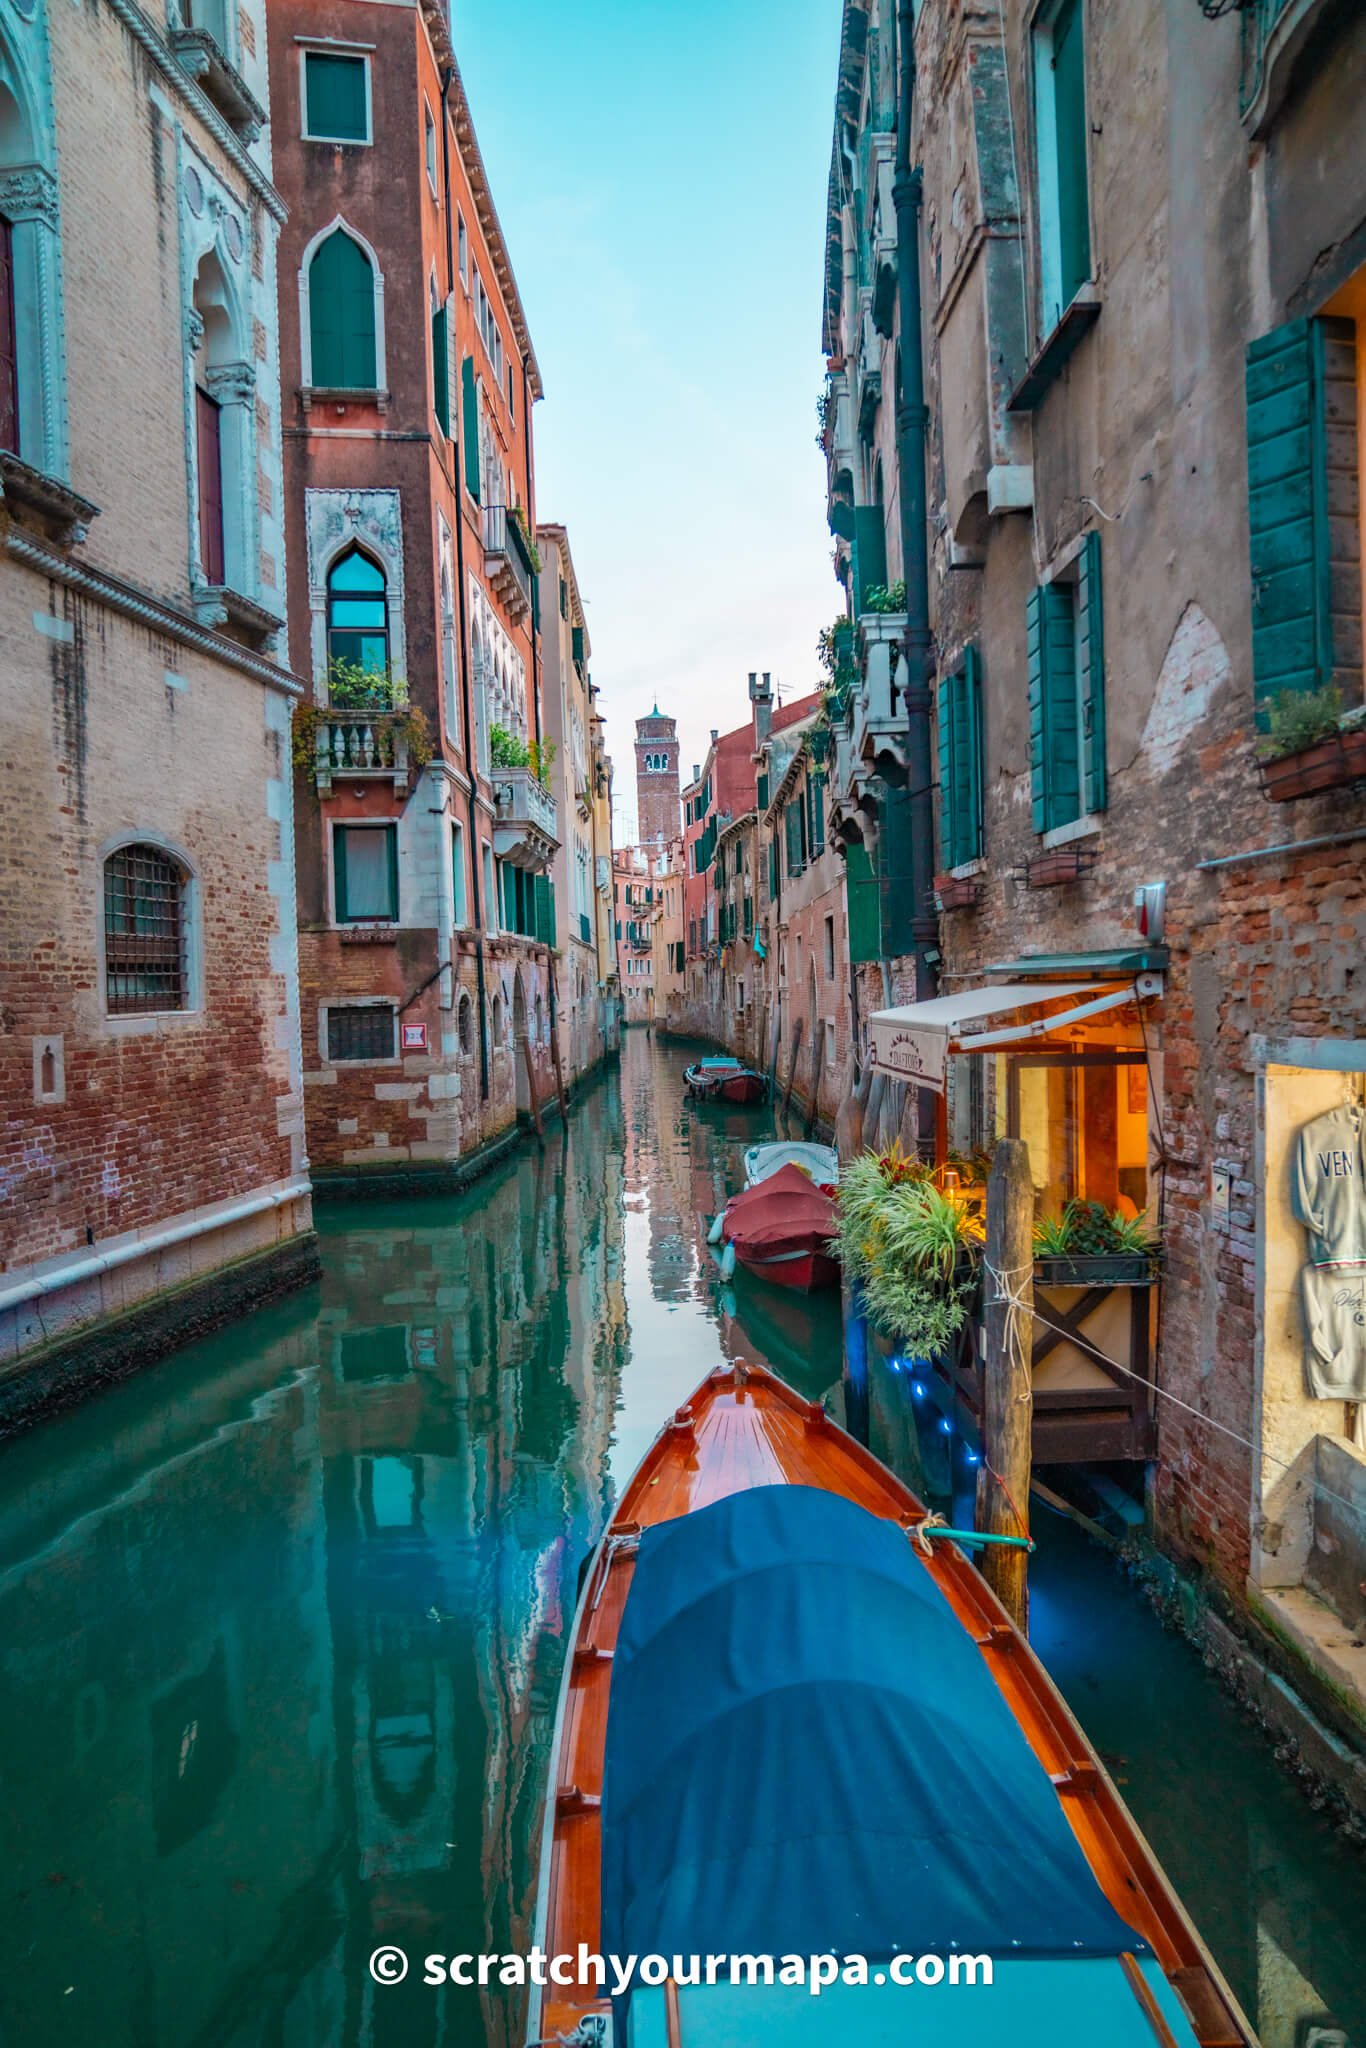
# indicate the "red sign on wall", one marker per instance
pixel 414 1038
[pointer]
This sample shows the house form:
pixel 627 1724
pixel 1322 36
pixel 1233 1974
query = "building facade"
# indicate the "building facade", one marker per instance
pixel 154 1151
pixel 657 790
pixel 1143 354
pixel 580 779
pixel 428 827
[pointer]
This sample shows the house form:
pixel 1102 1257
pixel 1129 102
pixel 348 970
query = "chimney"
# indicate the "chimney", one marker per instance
pixel 762 700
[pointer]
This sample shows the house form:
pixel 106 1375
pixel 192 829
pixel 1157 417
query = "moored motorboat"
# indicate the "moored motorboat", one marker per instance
pixel 724 1079
pixel 782 1230
pixel 791 1725
pixel 820 1163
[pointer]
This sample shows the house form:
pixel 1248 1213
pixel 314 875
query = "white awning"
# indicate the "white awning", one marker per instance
pixel 914 1042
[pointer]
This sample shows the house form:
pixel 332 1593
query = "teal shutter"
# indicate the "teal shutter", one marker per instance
pixel 792 831
pixel 469 398
pixel 774 878
pixel 870 551
pixel 974 773
pixel 341 315
pixel 948 805
pixel 864 908
pixel 441 383
pixel 1288 519
pixel 335 91
pixel 762 792
pixel 391 848
pixel 1053 736
pixel 1091 672
pixel 960 763
pixel 342 911
pixel 1069 103
pixel 818 813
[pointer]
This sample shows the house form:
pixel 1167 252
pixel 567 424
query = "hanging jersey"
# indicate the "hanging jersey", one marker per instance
pixel 1335 1331
pixel 1329 1185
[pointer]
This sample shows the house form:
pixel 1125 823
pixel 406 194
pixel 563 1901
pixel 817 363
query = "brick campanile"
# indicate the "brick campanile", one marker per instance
pixel 657 799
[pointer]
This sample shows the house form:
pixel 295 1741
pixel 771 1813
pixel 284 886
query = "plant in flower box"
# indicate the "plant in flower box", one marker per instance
pixel 1092 1246
pixel 1311 743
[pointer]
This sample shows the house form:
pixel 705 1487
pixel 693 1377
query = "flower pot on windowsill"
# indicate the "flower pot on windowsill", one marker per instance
pixel 1108 1269
pixel 1328 764
pixel 1059 864
pixel 956 892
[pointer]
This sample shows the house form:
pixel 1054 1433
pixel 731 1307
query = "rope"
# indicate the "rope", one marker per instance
pixel 1015 1303
pixel 1000 1278
pixel 919 1532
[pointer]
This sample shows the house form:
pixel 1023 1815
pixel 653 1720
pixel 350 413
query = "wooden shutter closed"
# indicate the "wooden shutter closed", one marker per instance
pixel 864 906
pixel 441 384
pixel 1053 750
pixel 341 309
pixel 9 354
pixel 469 426
pixel 1303 510
pixel 1091 673
pixel 960 764
pixel 209 450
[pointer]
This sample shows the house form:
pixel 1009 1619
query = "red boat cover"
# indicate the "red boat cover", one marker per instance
pixel 785 1213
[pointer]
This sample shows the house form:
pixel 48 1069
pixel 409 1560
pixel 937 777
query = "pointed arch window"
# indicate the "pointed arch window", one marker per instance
pixel 358 614
pixel 341 316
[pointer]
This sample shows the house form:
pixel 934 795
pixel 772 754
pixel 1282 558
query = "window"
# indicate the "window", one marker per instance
pixel 1086 1126
pixel 960 764
pixel 144 932
pixel 341 316
pixel 512 397
pixel 464 1024
pixel 1305 503
pixel 336 97
pixel 458 871
pixel 830 947
pixel 361 1031
pixel 429 144
pixel 1066 657
pixel 209 449
pixel 358 615
pixel 365 868
pixel 9 353
pixel 1061 128
pixel 463 247
pixel 490 900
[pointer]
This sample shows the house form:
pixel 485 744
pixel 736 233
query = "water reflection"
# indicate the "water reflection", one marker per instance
pixel 282 1623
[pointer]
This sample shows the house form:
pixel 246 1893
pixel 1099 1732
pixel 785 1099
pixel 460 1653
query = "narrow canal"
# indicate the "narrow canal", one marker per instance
pixel 281 1622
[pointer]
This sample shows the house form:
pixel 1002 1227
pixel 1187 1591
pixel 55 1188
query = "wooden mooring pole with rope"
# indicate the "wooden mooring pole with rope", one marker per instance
pixel 1008 1391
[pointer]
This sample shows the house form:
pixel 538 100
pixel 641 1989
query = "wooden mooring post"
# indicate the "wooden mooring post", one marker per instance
pixel 1007 1376
pixel 531 1086
pixel 792 1068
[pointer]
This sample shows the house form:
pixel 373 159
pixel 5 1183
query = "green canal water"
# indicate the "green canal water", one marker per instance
pixel 281 1622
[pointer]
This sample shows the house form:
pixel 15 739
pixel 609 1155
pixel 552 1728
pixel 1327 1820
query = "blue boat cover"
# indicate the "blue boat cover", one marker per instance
pixel 806 1753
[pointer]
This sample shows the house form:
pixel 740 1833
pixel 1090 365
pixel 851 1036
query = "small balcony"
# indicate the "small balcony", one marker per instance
pixel 879 739
pixel 525 832
pixel 360 746
pixel 507 562
pixel 205 60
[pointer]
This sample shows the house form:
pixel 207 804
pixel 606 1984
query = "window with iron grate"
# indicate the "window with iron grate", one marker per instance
pixel 144 932
pixel 362 1031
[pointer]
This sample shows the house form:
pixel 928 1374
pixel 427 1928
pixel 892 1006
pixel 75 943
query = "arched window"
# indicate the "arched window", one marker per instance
pixel 341 316
pixel 358 614
pixel 497 1020
pixel 464 1024
pixel 145 930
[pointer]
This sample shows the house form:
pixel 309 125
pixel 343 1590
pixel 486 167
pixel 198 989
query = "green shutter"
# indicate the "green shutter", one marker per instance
pixel 335 92
pixel 1292 636
pixel 339 874
pixel 1091 671
pixel 774 877
pixel 948 804
pixel 870 550
pixel 763 792
pixel 543 910
pixel 341 316
pixel 441 382
pixel 470 426
pixel 817 787
pixel 576 635
pixel 960 763
pixel 864 909
pixel 1053 736
pixel 1069 105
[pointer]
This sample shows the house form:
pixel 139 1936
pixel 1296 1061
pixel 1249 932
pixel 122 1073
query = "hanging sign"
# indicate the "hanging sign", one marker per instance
pixel 414 1038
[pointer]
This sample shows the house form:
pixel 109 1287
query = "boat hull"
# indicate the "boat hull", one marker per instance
pixel 744 1428
pixel 805 1271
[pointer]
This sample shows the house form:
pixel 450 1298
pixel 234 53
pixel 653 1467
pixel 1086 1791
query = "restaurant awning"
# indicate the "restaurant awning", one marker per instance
pixel 913 1043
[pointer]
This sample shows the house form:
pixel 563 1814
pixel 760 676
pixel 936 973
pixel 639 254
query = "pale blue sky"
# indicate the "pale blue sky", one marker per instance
pixel 659 167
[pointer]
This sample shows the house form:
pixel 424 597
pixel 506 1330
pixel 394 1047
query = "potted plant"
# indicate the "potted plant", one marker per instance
pixel 1057 865
pixel 1311 744
pixel 912 1248
pixel 1092 1246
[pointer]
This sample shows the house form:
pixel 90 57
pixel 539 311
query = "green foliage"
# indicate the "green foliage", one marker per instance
pixel 1299 719
pixel 906 1241
pixel 400 721
pixel 506 750
pixel 541 759
pixel 1088 1230
pixel 524 528
pixel 353 688
pixel 835 652
pixel 881 597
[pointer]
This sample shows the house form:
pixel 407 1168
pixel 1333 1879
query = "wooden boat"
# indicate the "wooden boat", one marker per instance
pixel 765 1678
pixel 724 1079
pixel 820 1163
pixel 782 1229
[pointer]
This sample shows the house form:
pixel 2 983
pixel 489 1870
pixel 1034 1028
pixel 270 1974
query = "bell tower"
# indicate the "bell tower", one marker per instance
pixel 658 819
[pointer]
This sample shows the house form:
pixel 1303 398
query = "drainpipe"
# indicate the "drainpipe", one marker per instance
pixel 471 764
pixel 912 423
